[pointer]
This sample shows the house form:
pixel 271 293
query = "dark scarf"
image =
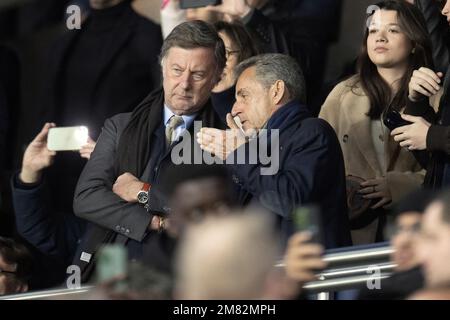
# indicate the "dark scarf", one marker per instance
pixel 134 145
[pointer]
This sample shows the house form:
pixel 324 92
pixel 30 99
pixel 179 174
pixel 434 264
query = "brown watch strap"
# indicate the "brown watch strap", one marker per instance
pixel 146 187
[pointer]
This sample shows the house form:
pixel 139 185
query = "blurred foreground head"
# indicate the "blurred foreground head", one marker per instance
pixel 197 192
pixel 434 243
pixel 404 237
pixel 227 257
pixel 15 267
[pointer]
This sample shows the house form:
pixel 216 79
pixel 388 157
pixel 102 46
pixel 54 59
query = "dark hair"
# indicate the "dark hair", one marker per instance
pixel 416 201
pixel 379 92
pixel 240 37
pixel 271 67
pixel 444 198
pixel 17 254
pixel 196 34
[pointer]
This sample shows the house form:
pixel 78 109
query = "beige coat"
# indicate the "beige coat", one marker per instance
pixel 345 109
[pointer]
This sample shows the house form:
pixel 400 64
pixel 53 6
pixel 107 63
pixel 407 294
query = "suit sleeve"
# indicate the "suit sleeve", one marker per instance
pixel 94 199
pixel 33 218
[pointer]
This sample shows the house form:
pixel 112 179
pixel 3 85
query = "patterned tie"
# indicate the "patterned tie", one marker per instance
pixel 173 123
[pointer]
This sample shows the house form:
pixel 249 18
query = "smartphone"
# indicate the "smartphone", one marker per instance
pixel 112 263
pixel 67 138
pixel 238 122
pixel 393 119
pixel 307 218
pixel 186 4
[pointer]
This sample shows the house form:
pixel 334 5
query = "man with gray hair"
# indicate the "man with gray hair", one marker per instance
pixel 118 188
pixel 309 167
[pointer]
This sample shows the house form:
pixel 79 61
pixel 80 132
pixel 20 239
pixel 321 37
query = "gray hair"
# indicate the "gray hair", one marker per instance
pixel 196 34
pixel 275 66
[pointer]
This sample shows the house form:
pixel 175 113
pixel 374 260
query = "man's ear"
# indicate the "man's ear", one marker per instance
pixel 278 92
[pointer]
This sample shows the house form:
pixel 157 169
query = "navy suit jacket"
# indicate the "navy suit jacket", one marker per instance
pixel 310 171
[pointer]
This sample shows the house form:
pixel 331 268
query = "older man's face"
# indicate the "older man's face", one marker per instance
pixel 253 105
pixel 189 75
pixel 434 246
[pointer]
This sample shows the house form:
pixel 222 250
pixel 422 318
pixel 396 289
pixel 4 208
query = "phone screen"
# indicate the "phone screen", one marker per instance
pixel 307 218
pixel 111 264
pixel 67 138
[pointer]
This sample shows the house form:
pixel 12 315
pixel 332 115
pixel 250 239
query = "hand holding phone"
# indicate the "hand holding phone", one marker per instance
pixel 392 119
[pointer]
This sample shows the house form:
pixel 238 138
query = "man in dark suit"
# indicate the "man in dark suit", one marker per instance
pixel 106 67
pixel 120 187
pixel 305 165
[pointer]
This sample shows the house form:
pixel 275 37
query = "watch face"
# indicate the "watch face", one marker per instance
pixel 142 197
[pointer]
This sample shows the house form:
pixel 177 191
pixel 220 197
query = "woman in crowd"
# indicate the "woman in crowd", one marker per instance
pixel 239 46
pixel 379 172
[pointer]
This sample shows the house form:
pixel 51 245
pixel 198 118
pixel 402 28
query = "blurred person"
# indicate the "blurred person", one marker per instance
pixel 54 234
pixel 239 46
pixel 428 134
pixel 15 267
pixel 140 283
pixel 427 294
pixel 197 193
pixel 270 95
pixel 226 257
pixel 407 276
pixel 396 42
pixel 134 152
pixel 106 67
pixel 434 243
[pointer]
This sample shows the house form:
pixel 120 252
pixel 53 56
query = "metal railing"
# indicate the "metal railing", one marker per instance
pixel 352 267
pixel 348 268
pixel 49 294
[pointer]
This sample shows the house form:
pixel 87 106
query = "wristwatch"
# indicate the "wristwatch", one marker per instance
pixel 142 195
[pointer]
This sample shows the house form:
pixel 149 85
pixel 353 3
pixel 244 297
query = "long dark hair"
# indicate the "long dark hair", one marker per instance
pixel 241 38
pixel 376 88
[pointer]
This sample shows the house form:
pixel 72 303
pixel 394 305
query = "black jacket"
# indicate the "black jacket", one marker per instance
pixel 436 159
pixel 439 33
pixel 53 236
